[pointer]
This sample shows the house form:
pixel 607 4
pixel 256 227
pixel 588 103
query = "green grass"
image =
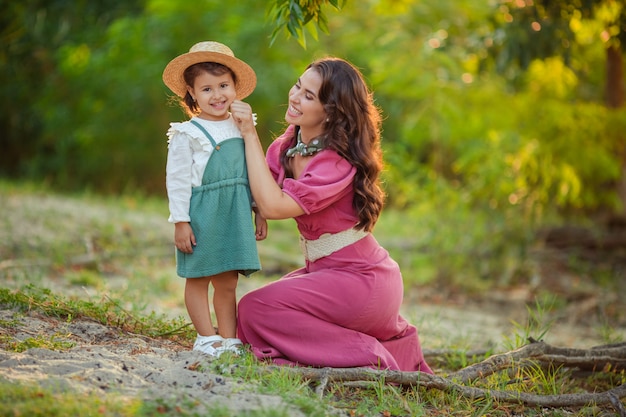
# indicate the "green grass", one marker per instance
pixel 19 399
pixel 536 327
pixel 30 400
pixel 106 311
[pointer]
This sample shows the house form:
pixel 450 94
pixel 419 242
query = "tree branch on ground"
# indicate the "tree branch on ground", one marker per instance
pixel 607 358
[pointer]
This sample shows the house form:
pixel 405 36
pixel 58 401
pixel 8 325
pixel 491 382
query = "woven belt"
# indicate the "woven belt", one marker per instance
pixel 329 243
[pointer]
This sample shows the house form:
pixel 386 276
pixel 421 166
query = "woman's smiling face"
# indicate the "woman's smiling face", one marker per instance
pixel 305 109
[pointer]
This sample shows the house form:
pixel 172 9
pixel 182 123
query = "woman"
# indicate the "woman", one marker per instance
pixel 342 308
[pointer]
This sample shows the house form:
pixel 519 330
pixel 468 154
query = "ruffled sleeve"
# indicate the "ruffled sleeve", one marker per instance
pixel 186 128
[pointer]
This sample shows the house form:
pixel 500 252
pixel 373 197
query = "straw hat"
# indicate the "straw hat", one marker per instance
pixel 209 52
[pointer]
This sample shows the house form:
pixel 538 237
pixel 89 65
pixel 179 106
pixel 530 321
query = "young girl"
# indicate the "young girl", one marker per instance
pixel 209 195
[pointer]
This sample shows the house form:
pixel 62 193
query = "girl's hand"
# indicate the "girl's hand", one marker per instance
pixel 184 238
pixel 261 226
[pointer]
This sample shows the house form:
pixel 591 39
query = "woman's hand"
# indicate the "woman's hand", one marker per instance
pixel 271 201
pixel 242 114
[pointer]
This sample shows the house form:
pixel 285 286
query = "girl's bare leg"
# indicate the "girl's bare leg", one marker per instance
pixel 225 302
pixel 197 303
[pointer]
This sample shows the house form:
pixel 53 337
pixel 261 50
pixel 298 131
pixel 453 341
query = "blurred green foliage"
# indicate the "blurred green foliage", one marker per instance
pixel 294 16
pixel 496 149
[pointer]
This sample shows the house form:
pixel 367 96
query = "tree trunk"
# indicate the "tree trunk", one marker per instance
pixel 615 100
pixel 614 77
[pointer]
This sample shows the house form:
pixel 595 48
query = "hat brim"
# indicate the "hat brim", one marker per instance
pixel 173 73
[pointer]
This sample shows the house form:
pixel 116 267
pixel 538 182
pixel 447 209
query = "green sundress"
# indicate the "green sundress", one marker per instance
pixel 221 216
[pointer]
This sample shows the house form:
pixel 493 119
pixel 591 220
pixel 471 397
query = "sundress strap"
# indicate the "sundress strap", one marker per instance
pixel 199 126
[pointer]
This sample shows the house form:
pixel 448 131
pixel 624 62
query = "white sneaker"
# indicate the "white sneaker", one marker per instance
pixel 232 344
pixel 206 344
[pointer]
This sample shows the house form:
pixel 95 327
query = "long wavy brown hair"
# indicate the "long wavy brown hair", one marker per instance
pixel 353 131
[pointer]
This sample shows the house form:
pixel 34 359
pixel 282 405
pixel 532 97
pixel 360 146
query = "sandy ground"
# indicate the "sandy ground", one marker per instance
pixel 105 361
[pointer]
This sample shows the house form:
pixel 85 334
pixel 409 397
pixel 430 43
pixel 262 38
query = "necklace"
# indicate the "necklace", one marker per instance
pixel 305 150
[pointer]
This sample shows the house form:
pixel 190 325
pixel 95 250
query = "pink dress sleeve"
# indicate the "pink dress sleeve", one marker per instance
pixel 325 181
pixel 324 190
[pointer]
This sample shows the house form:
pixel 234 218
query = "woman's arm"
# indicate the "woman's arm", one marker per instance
pixel 270 199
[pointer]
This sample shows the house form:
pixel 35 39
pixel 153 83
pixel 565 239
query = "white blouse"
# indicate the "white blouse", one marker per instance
pixel 188 153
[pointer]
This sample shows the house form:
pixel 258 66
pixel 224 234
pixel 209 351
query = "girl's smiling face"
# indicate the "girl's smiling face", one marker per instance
pixel 305 108
pixel 214 94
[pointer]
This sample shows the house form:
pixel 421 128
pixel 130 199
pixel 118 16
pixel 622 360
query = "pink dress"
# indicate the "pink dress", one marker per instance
pixel 343 309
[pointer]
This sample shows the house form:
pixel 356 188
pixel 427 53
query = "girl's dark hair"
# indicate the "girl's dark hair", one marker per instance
pixel 190 74
pixel 353 131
